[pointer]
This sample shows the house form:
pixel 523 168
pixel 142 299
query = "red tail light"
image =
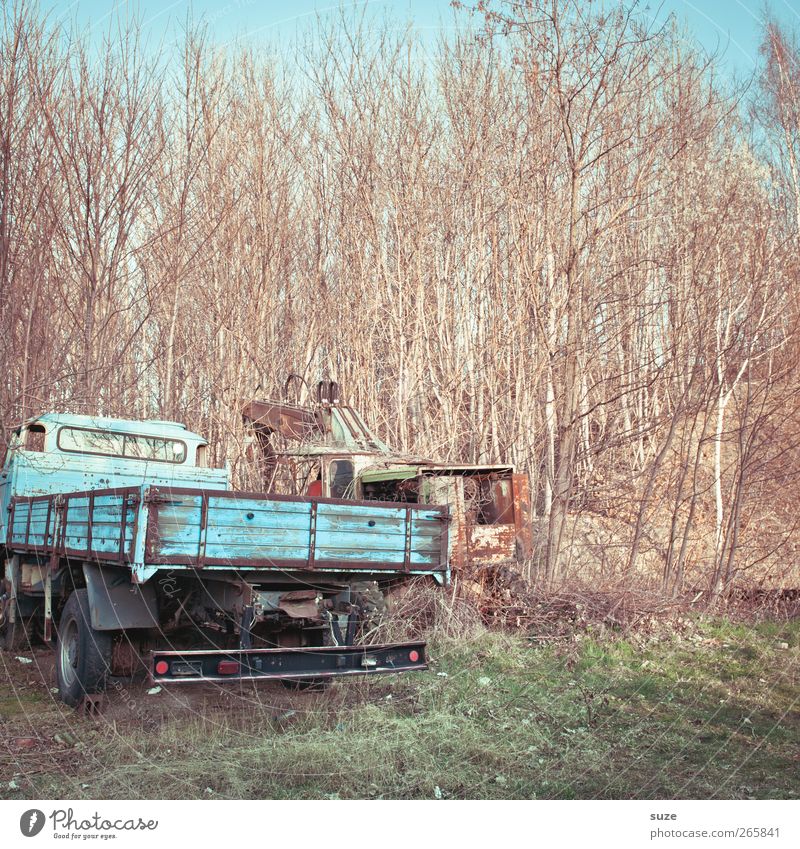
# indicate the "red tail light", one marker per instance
pixel 162 667
pixel 413 656
pixel 227 667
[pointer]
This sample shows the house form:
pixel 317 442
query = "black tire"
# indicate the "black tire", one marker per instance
pixel 83 655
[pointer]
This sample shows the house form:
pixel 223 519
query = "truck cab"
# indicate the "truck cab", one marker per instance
pixel 327 449
pixel 62 452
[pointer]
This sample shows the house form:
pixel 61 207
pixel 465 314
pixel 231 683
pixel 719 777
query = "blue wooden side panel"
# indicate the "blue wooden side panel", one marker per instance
pixel 244 530
pixel 37 523
pixel 155 528
pixel 107 529
pixel 32 522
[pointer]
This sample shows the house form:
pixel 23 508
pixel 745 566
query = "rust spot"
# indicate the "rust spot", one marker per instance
pixel 522 515
pixel 300 604
pixel 491 544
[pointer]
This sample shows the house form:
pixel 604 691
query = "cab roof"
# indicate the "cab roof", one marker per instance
pixel 146 427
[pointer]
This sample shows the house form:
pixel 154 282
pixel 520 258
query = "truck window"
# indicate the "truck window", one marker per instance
pixel 115 444
pixel 496 503
pixel 90 441
pixel 154 448
pixel 341 478
pixel 34 438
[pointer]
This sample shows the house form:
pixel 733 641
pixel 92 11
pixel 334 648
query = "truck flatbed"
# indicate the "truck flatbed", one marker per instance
pixel 148 528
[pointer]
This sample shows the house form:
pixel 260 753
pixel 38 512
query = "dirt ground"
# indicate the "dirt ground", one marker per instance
pixel 40 735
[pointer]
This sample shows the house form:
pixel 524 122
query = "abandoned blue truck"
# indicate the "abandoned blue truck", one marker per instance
pixel 121 545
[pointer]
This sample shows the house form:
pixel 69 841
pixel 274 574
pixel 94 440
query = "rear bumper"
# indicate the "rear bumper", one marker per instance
pixel 198 666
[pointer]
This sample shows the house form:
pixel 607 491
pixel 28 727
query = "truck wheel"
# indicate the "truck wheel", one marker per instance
pixel 367 596
pixel 83 655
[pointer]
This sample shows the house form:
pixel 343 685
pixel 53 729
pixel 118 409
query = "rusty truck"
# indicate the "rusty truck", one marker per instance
pixel 325 447
pixel 121 546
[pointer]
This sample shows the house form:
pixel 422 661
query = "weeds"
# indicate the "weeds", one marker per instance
pixel 707 713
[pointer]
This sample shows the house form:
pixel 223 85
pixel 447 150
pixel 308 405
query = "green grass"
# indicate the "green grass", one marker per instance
pixel 710 714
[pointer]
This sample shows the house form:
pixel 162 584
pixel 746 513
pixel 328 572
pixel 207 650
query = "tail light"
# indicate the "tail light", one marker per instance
pixel 227 667
pixel 162 667
pixel 413 656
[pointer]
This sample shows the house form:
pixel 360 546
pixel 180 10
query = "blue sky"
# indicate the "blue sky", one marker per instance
pixel 732 25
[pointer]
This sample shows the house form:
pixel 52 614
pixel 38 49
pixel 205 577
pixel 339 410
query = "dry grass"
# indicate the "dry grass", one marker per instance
pixel 618 605
pixel 706 713
pixel 598 695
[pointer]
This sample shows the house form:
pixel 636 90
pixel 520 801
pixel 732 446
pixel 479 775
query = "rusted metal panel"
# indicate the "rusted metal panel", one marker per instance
pixel 407 543
pixel 300 604
pixel 522 515
pixel 201 555
pixel 312 535
pixel 289 420
pixel 131 502
pixel 472 543
pixel 47 532
pixel 48 606
pixel 152 539
pixel 90 520
pixel 491 544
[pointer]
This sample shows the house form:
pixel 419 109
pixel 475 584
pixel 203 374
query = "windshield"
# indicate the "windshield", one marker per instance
pixel 111 443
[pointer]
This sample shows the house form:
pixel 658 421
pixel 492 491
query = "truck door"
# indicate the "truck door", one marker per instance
pixel 449 489
pixel 341 477
pixel 7 482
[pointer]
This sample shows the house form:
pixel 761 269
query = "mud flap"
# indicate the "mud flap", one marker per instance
pixel 115 603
